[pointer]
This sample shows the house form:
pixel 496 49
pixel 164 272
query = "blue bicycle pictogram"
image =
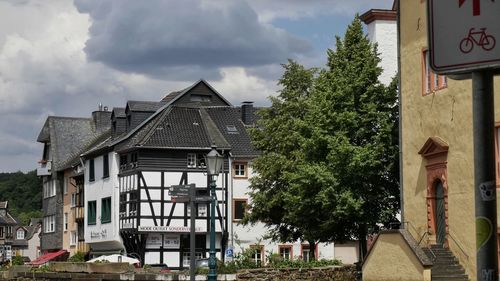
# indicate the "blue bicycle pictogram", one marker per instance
pixel 480 38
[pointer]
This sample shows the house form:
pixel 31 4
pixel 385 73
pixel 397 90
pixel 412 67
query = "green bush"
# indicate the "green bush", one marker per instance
pixel 78 257
pixel 17 260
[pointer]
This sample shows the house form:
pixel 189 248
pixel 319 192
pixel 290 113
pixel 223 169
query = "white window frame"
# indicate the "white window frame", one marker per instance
pixel 191 160
pixel 285 252
pixel 65 186
pixel 73 199
pixel 73 238
pixel 65 225
pixel 49 224
pixel 49 188
pixel 186 257
pixel 20 234
pixel 240 170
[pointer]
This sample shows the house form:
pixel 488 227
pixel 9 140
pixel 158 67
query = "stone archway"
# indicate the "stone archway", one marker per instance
pixel 435 152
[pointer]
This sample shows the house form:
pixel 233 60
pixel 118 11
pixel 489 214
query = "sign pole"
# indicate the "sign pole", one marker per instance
pixel 484 175
pixel 192 237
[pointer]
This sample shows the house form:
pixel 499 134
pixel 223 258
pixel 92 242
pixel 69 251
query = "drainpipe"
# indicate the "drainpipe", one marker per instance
pixel 400 132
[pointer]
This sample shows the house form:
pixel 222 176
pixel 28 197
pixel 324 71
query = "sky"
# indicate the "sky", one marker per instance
pixel 64 58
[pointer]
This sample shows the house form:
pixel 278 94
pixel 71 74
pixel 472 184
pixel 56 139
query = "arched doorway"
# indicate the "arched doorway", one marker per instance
pixel 439 213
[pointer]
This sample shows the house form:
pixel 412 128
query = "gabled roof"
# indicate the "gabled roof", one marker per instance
pixel 118 112
pixel 144 106
pixel 68 136
pixel 136 135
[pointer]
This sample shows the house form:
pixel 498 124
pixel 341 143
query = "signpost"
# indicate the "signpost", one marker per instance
pixel 464 37
pixel 187 194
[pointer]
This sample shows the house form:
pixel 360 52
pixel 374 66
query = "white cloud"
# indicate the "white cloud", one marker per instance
pixel 297 9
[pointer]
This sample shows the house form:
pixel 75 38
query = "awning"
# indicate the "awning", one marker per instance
pixel 60 255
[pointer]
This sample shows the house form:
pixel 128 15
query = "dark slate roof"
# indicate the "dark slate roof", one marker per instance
pixel 8 219
pixel 119 112
pixel 68 137
pixel 147 106
pixel 168 98
pixel 228 121
pixel 33 227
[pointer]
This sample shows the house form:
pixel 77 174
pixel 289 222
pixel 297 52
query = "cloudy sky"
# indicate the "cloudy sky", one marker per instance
pixel 63 57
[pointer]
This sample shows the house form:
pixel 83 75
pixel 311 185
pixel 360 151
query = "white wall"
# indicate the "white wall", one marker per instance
pixel 384 33
pixel 97 190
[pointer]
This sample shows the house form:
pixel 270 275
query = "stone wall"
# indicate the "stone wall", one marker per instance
pixel 264 274
pixel 334 273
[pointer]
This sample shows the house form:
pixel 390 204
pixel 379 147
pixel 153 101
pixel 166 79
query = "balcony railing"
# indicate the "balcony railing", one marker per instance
pixel 78 213
pixel 44 168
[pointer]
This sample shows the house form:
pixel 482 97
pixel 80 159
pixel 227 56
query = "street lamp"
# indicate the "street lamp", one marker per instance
pixel 214 166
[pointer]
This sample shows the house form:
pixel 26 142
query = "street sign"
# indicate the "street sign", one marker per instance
pixel 200 199
pixel 179 188
pixel 181 199
pixel 464 35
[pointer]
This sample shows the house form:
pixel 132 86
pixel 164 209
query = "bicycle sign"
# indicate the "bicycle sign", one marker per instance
pixel 463 35
pixel 479 38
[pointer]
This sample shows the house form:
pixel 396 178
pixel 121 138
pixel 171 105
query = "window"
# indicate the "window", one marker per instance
pixel 123 206
pixel 134 196
pixel 232 130
pixel 239 208
pixel 191 160
pixel 257 254
pixel 186 258
pixel 200 161
pixel 49 188
pixel 65 185
pixel 240 170
pixel 49 224
pixel 8 231
pixel 106 210
pixel 306 250
pixel 123 162
pixel 431 81
pixel 202 210
pixel 105 166
pixel 200 98
pixel 20 234
pixel 285 251
pixel 91 170
pixel 91 214
pixel 65 221
pixel 2 232
pixel 73 238
pixel 73 199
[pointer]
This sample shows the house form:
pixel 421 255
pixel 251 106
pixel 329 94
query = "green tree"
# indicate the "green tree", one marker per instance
pixel 280 135
pixel 355 121
pixel 328 168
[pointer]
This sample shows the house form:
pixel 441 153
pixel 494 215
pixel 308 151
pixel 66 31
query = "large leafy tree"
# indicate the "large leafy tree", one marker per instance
pixel 329 163
pixel 355 125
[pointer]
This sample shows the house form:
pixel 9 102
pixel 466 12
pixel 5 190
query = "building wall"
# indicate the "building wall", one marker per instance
pixel 384 33
pixel 33 250
pixel 53 206
pixel 447 114
pixel 102 235
pixel 391 259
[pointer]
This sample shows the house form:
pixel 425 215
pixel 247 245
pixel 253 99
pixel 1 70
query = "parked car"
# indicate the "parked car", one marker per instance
pixel 202 263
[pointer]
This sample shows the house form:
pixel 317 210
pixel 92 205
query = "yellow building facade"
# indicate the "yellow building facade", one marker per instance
pixel 437 145
pixel 437 158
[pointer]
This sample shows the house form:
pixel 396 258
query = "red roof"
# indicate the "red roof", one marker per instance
pixel 49 257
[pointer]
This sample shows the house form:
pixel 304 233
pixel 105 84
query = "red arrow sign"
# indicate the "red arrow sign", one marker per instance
pixel 476 8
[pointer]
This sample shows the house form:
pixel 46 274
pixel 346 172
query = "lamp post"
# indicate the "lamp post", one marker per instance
pixel 214 166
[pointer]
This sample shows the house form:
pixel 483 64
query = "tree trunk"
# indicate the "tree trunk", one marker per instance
pixel 362 242
pixel 312 250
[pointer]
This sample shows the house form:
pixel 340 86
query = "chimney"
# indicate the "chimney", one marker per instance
pixel 247 112
pixel 102 118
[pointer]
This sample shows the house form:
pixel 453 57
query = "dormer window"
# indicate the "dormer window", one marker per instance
pixel 20 234
pixel 191 160
pixel 201 98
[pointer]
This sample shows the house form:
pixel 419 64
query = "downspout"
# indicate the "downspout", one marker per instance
pixel 400 125
pixel 230 199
